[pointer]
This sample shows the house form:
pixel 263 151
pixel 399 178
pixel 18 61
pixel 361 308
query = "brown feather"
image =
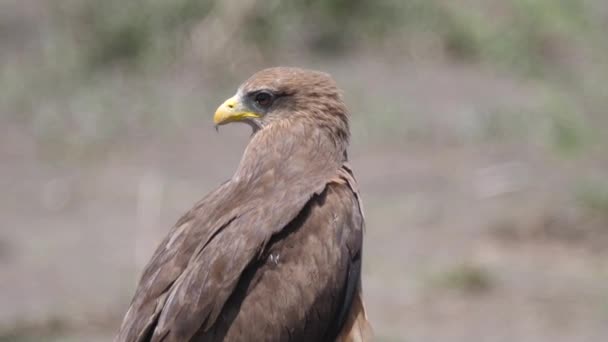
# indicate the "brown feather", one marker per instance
pixel 274 253
pixel 357 327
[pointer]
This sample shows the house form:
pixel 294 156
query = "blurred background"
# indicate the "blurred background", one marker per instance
pixel 479 137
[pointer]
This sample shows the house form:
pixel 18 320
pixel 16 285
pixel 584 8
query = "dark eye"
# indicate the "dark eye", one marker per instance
pixel 263 99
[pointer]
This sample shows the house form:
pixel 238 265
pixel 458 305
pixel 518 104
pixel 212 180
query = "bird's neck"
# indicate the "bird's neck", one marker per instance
pixel 284 150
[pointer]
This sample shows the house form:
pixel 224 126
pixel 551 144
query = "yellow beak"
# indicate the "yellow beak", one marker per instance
pixel 232 110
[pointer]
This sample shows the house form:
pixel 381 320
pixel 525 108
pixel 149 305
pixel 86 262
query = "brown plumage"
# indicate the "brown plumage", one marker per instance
pixel 273 254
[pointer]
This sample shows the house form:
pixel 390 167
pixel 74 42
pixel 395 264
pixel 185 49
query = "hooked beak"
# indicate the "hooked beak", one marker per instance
pixel 232 110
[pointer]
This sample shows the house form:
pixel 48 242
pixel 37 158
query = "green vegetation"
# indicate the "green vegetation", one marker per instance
pixel 593 196
pixel 22 332
pixel 83 55
pixel 524 35
pixel 465 278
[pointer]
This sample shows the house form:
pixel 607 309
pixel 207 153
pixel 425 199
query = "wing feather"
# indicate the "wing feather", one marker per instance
pixel 304 287
pixel 222 234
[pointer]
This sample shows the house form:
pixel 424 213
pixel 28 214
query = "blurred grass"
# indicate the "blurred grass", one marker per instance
pixel 524 35
pixel 68 83
pixel 22 332
pixel 592 196
pixel 465 278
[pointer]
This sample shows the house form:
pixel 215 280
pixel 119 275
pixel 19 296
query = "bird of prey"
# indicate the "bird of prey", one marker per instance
pixel 273 254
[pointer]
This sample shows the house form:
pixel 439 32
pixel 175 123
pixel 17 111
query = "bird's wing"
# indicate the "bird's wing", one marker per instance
pixel 304 286
pixel 198 296
pixel 167 264
pixel 352 314
pixel 197 266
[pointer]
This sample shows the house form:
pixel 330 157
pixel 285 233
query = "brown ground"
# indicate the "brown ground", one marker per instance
pixel 464 241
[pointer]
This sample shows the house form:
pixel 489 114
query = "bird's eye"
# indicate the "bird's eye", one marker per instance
pixel 263 99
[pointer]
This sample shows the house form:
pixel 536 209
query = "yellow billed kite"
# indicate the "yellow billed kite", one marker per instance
pixel 273 254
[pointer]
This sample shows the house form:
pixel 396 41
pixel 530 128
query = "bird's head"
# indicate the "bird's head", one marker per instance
pixel 281 93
